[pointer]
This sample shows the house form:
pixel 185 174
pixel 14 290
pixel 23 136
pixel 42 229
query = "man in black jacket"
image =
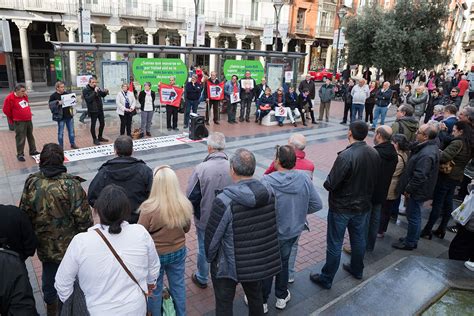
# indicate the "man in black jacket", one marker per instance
pixel 418 181
pixel 383 99
pixel 93 95
pixel 126 171
pixel 351 184
pixel 247 95
pixel 308 84
pixel 192 91
pixel 241 240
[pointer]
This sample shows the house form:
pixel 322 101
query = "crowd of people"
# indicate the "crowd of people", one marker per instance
pixel 247 228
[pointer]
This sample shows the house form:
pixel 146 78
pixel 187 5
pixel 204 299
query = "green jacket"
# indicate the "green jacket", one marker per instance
pixel 58 209
pixel 459 154
pixel 407 125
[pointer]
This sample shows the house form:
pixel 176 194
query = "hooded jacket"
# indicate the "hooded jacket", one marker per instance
pixel 407 125
pixel 295 198
pixel 241 236
pixel 302 164
pixel 421 173
pixel 388 163
pixel 129 173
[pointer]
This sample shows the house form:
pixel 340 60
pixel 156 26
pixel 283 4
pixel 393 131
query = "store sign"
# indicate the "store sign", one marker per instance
pixel 156 70
pixel 239 67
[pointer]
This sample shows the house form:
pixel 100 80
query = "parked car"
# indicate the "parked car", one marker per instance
pixel 323 74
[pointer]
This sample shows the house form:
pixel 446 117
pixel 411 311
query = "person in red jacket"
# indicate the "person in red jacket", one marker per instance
pixel 17 109
pixel 463 86
pixel 298 142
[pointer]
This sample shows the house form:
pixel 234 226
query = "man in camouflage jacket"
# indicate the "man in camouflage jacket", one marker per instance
pixel 57 206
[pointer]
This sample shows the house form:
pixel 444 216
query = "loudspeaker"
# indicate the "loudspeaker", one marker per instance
pixel 197 129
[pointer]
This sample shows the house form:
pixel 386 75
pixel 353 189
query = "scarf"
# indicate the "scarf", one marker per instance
pixel 236 90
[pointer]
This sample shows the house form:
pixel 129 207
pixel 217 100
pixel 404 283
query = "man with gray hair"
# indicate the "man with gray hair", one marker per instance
pixel 418 100
pixel 405 123
pixel 210 103
pixel 383 98
pixel 244 211
pixel 209 177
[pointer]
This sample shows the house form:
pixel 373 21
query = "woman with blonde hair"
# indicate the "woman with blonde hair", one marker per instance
pixel 167 214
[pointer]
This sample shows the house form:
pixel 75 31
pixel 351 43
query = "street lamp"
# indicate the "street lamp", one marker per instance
pixel 47 36
pixel 277 5
pixel 341 14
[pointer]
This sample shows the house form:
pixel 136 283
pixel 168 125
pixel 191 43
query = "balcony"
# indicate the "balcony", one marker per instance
pixel 257 24
pixel 303 29
pixel 324 32
pixel 101 8
pixel 51 6
pixel 235 21
pixel 174 14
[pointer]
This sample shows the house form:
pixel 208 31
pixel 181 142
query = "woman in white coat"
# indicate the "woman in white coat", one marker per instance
pixel 108 288
pixel 126 104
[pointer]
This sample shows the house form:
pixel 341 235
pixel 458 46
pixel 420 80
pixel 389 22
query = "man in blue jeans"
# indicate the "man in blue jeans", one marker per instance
pixel 351 184
pixel 418 182
pixel 383 99
pixel 359 94
pixel 208 178
pixel 295 198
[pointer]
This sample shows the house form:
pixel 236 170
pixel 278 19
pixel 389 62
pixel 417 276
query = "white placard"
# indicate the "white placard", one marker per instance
pixel 82 81
pixel 268 34
pixel 288 76
pixel 190 30
pixel 247 83
pixel 86 26
pixel 235 97
pixel 69 100
pixel 283 30
pixel 201 30
pixel 114 74
pixel 280 111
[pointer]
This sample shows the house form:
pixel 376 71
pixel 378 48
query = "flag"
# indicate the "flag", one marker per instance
pixel 215 91
pixel 131 87
pixel 170 95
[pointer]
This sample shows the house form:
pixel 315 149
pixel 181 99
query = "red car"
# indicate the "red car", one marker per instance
pixel 323 74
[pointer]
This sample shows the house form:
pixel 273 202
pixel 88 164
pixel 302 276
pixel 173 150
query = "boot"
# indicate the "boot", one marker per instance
pixel 52 309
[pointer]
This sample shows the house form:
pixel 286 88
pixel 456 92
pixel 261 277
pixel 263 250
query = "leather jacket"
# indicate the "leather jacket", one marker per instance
pixel 351 182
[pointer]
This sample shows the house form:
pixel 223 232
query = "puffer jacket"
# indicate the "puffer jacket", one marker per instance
pixel 401 164
pixel 351 182
pixel 459 154
pixel 241 238
pixel 421 174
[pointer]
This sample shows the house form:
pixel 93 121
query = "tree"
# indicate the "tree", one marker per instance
pixel 409 35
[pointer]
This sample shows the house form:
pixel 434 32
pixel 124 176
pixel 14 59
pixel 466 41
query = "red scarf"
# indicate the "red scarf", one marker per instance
pixel 236 90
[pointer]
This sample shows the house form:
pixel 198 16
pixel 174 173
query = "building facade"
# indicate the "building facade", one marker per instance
pixel 228 23
pixel 459 32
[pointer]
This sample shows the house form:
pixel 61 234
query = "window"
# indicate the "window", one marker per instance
pixel 324 19
pixel 201 7
pixel 254 10
pixel 229 8
pixel 132 3
pixel 92 1
pixel 300 18
pixel 168 5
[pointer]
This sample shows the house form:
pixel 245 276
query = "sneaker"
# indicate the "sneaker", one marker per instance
pixel 469 265
pixel 196 281
pixel 281 302
pixel 291 280
pixel 74 146
pixel 21 158
pixel 34 153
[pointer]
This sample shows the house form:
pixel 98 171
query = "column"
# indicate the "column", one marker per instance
pixel 150 31
pixel 113 29
pixel 263 48
pixel 212 57
pixel 307 50
pixel 71 29
pixel 240 38
pixel 25 52
pixel 182 34
pixel 328 57
pixel 285 45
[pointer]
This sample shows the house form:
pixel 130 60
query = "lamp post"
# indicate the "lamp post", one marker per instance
pixel 196 7
pixel 277 5
pixel 341 14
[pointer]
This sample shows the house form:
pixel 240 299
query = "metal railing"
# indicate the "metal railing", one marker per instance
pixel 171 13
pixel 324 31
pixel 302 29
pixel 233 20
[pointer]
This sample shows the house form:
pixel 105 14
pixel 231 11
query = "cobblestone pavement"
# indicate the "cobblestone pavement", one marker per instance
pixel 324 141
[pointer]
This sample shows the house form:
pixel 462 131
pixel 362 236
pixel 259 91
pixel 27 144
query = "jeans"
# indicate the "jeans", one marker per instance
pixel 126 124
pixel 70 131
pixel 337 224
pixel 358 109
pixel 292 259
pixel 442 203
pixel 24 131
pixel 100 116
pixel 231 112
pixel 202 264
pixel 382 112
pixel 245 105
pixel 146 119
pixel 224 293
pixel 414 222
pixel 262 113
pixel 373 224
pixel 191 105
pixel 47 279
pixel 172 114
pixel 177 288
pixel 281 119
pixel 281 279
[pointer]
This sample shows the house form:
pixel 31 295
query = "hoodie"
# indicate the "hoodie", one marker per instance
pixel 295 198
pixel 241 239
pixel 129 173
pixel 407 125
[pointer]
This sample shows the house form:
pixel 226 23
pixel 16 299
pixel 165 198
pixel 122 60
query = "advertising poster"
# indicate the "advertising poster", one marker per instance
pixel 239 67
pixel 156 70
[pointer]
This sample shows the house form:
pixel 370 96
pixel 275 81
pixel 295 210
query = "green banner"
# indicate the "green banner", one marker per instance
pixel 156 70
pixel 58 66
pixel 239 67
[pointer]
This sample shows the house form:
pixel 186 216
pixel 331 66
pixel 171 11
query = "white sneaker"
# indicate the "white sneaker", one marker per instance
pixel 291 280
pixel 265 308
pixel 469 265
pixel 281 302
